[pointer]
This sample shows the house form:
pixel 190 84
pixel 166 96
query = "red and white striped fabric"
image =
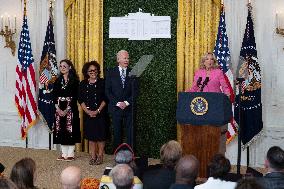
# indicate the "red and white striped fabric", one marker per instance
pixel 43 78
pixel 232 126
pixel 25 96
pixel 222 54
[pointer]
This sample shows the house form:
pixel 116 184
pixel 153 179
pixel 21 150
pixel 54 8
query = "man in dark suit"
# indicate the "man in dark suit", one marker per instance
pixel 274 179
pixel 120 92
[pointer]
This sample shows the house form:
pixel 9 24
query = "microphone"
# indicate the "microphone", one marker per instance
pixel 199 81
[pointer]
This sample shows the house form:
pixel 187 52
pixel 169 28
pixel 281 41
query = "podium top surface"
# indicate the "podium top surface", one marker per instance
pixel 203 108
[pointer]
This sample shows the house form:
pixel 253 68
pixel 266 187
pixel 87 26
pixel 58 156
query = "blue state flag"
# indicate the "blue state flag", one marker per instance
pixel 47 75
pixel 250 93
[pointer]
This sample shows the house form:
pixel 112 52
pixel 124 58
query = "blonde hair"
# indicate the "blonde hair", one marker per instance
pixel 170 153
pixel 204 57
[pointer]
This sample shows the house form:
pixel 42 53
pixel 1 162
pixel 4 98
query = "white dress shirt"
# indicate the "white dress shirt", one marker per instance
pixel 212 183
pixel 120 73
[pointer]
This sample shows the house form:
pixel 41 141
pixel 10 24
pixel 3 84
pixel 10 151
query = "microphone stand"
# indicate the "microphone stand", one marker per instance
pixel 133 105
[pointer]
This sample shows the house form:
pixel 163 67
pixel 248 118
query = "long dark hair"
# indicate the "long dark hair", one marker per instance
pixel 72 75
pixel 22 173
pixel 86 67
pixel 6 183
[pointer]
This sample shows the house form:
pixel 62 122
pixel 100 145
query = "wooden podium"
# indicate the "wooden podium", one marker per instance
pixel 201 116
pixel 202 142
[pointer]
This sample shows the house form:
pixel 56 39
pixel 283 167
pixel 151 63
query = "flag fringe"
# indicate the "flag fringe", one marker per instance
pixel 253 140
pixel 45 122
pixel 29 126
pixel 18 111
pixel 231 138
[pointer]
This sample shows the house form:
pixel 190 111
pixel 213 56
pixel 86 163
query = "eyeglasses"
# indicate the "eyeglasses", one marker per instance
pixel 90 71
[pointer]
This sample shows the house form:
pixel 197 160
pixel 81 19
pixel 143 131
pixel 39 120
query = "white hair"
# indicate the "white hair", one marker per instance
pixel 120 52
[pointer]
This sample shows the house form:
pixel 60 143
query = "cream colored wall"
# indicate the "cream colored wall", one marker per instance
pixel 271 59
pixel 37 12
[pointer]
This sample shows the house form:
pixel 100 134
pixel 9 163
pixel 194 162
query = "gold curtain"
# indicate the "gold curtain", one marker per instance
pixel 196 34
pixel 84 39
pixel 84 36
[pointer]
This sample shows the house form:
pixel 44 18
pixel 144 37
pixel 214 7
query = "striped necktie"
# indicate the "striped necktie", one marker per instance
pixel 123 76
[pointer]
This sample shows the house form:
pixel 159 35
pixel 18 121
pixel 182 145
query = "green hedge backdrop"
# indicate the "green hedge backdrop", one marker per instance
pixel 156 104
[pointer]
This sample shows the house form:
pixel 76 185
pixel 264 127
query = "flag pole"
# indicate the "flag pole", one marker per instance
pixel 240 81
pixel 247 148
pixel 25 7
pixel 27 142
pixel 49 134
pixel 25 13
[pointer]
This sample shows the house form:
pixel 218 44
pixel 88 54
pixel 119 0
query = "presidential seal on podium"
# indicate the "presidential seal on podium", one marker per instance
pixel 199 106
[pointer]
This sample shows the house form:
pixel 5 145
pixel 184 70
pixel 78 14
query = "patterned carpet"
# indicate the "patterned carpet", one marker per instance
pixel 48 169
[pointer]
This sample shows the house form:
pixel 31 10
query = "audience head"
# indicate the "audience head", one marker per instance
pixel 23 173
pixel 122 58
pixel 124 155
pixel 122 176
pixel 219 166
pixel 6 183
pixel 187 170
pixel 207 56
pixel 170 153
pixel 248 183
pixel 71 178
pixel 89 68
pixel 275 159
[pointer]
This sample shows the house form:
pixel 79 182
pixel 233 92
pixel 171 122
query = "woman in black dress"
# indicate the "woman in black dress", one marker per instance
pixel 67 124
pixel 92 101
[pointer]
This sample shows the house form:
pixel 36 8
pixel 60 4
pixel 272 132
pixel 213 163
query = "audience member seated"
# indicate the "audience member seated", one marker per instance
pixel 163 175
pixel 218 168
pixel 6 183
pixel 23 174
pixel 274 179
pixel 71 178
pixel 186 172
pixel 123 155
pixel 248 183
pixel 122 176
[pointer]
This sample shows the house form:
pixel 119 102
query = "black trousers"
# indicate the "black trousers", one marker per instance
pixel 118 122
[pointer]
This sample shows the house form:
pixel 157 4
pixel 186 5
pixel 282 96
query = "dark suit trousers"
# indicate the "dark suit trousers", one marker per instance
pixel 117 121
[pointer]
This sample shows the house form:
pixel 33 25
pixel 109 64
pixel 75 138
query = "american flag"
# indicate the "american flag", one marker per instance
pixel 222 54
pixel 25 97
pixel 43 78
pixel 250 105
pixel 48 73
